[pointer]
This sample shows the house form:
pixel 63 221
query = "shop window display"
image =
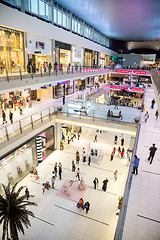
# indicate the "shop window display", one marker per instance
pixel 11 50
pixel 79 85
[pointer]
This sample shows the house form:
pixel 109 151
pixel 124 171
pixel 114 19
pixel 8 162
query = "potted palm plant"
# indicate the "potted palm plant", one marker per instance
pixel 120 202
pixel 13 212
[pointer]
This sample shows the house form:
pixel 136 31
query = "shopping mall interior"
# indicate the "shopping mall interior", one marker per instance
pixel 79 114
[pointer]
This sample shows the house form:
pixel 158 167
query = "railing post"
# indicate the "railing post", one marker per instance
pixel 32 121
pixel 62 70
pixel 41 70
pixel 41 117
pixel 7 134
pixel 31 72
pixel 93 115
pixel 20 72
pixel 20 126
pixel 49 72
pixel 72 69
pixel 7 74
pixel 50 113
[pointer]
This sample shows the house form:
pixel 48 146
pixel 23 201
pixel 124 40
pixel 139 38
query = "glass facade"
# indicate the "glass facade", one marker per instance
pixel 63 18
pixel 11 50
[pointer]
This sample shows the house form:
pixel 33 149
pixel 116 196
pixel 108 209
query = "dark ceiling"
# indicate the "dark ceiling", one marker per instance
pixel 135 20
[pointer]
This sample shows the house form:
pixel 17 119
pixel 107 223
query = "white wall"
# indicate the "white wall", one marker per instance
pixel 23 22
pixel 31 48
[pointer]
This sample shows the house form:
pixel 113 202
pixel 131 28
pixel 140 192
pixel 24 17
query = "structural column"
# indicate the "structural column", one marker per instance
pixel 58 135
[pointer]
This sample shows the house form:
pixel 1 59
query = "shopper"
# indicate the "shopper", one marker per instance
pixel 50 67
pixel 74 134
pixel 60 170
pixel 95 138
pixel 84 156
pixel 135 165
pixel 63 137
pixel 119 150
pixel 122 153
pixel 78 135
pixel 104 187
pixel 89 160
pixel 63 99
pixel 115 175
pixel 53 178
pixel 152 103
pixel 114 150
pixel 68 140
pixel 95 182
pixel 55 169
pixel 80 204
pixel 73 166
pixel 77 157
pixel 146 116
pixel 156 114
pixel 87 205
pixel 115 139
pixel 78 174
pixel 27 193
pixel 111 157
pixel 11 117
pixel 152 150
pixel 122 141
pixel 4 116
pixel 43 188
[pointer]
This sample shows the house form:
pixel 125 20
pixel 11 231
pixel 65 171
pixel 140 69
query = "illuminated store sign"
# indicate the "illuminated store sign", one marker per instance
pixel 131 89
pixel 131 71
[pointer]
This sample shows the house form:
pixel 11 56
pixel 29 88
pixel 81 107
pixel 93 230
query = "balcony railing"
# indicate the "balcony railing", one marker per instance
pixel 33 72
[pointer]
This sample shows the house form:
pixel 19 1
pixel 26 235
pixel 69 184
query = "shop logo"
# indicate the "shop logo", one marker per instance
pixel 40 45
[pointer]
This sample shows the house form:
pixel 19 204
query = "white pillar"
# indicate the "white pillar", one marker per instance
pixel 58 135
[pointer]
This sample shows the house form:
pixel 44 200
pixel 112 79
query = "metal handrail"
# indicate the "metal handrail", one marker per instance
pixel 123 210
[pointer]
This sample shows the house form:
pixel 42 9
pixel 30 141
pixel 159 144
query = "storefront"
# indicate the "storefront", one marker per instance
pixel 63 54
pixel 62 88
pixel 90 82
pixel 16 165
pixel 11 50
pixel 88 58
pixel 79 84
pixel 95 59
pixel 18 99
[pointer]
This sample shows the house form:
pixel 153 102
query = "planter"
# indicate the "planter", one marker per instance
pixel 136 119
pixel 59 108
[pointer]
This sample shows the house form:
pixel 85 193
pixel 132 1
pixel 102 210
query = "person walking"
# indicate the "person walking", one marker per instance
pixel 60 170
pixel 122 153
pixel 78 174
pixel 11 117
pixel 104 187
pixel 111 157
pixel 135 165
pixel 152 103
pixel 115 175
pixel 87 205
pixel 89 160
pixel 55 169
pixel 84 156
pixel 43 188
pixel 77 157
pixel 122 141
pixel 27 193
pixel 95 138
pixel 53 178
pixel 68 140
pixel 146 116
pixel 156 114
pixel 73 166
pixel 63 137
pixel 114 150
pixel 119 150
pixel 78 135
pixel 152 150
pixel 95 182
pixel 4 116
pixel 80 204
pixel 115 139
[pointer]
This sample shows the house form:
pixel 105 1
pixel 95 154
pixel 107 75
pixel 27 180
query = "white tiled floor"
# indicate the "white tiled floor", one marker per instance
pixel 68 225
pixel 144 196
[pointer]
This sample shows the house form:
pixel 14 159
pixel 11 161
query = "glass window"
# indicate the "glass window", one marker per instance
pixel 59 17
pixel 14 2
pixel 34 6
pixel 64 20
pixel 42 8
pixel 55 15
